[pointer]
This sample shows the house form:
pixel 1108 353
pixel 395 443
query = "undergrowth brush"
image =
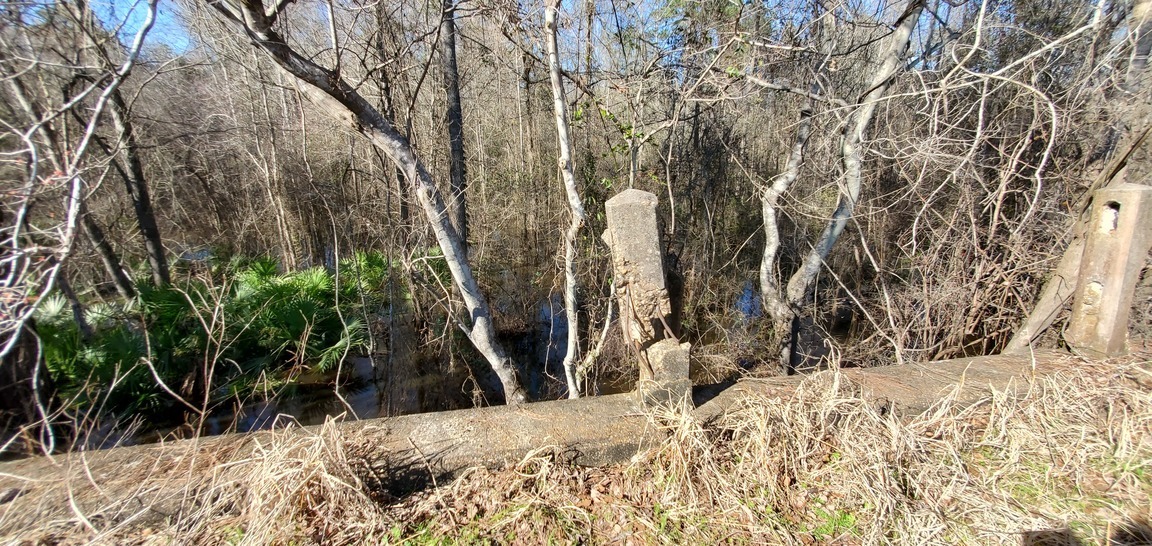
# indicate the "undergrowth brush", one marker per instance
pixel 239 325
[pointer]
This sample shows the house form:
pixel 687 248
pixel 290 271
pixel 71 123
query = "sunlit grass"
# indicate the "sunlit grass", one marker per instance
pixel 1068 458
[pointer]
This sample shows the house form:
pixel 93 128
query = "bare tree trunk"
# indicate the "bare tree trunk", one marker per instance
pixel 133 173
pixel 274 183
pixel 77 307
pixel 1141 29
pixel 575 206
pixel 108 257
pixel 802 283
pixel 772 298
pixel 458 201
pixel 528 117
pixel 137 187
pixel 389 112
pixel 325 88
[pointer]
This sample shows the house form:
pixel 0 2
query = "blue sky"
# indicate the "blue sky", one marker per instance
pixel 128 15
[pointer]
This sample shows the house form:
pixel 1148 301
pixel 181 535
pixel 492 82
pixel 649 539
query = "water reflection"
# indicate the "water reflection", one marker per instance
pixel 358 395
pixel 408 379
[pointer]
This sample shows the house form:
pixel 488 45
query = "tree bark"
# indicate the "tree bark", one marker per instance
pixel 108 257
pixel 137 186
pixel 458 202
pixel 77 307
pixel 771 297
pixel 340 100
pixel 269 161
pixel 133 172
pixel 388 109
pixel 802 283
pixel 575 205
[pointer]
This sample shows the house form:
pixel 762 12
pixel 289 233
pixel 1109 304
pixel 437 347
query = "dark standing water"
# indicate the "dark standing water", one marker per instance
pixel 408 380
pixel 359 395
pixel 413 379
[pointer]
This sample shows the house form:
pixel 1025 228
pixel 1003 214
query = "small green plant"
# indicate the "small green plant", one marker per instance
pixel 835 523
pixel 232 535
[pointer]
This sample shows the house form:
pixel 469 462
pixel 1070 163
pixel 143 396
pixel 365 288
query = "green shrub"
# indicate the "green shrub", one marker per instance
pixel 245 318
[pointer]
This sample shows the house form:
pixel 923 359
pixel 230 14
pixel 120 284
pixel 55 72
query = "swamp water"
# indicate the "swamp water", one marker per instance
pixel 409 379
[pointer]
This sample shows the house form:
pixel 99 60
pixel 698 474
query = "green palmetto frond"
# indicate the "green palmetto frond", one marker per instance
pixel 315 282
pixel 353 338
pixel 53 309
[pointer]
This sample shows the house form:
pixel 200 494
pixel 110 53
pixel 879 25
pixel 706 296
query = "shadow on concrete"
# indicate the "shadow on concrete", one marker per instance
pixel 703 393
pixel 1130 533
pixel 401 474
pixel 406 472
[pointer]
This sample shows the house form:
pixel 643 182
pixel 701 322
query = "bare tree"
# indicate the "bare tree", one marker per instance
pixel 108 257
pixel 458 202
pixel 55 149
pixel 33 256
pixel 335 96
pixel 852 149
pixel 773 299
pixel 785 307
pixel 132 170
pixel 575 204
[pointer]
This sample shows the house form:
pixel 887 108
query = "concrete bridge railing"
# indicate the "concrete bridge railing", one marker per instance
pixel 1119 237
pixel 646 313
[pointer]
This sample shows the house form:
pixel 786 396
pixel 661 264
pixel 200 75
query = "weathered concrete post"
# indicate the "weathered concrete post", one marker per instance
pixel 1119 237
pixel 645 308
pixel 634 237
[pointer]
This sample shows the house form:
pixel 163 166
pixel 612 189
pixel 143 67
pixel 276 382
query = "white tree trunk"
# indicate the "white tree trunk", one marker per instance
pixel 772 298
pixel 575 206
pixel 802 283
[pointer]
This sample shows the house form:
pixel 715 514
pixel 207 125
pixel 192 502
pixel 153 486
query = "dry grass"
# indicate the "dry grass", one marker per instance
pixel 1069 462
pixel 298 489
pixel 1070 459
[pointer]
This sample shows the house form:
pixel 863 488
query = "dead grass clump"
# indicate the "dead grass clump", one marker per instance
pixel 1063 459
pixel 1068 455
pixel 301 487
